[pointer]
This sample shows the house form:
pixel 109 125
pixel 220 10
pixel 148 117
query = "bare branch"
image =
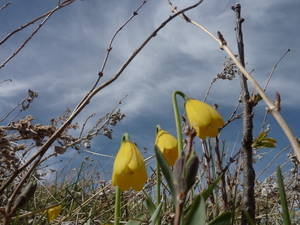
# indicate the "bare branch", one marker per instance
pixel 36 158
pixel 5 81
pixel 47 15
pixel 247 139
pixel 269 164
pixel 273 69
pixel 109 48
pixel 7 4
pixel 269 103
pixel 29 98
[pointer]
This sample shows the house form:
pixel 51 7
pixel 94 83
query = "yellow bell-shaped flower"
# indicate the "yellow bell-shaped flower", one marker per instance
pixel 129 167
pixel 168 145
pixel 203 117
pixel 54 212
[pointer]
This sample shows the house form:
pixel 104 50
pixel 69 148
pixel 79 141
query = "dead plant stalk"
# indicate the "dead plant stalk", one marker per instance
pixel 272 109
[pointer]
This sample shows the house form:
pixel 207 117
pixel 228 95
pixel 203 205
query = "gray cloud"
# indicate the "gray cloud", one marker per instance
pixel 62 61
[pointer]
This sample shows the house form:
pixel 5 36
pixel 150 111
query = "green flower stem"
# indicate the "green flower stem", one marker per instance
pixel 125 137
pixel 158 181
pixel 117 206
pixel 177 119
pixel 158 190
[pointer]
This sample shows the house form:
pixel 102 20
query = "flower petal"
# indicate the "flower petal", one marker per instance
pixel 216 118
pixel 129 168
pixel 197 112
pixel 54 212
pixel 123 157
pixel 210 130
pixel 168 145
pixel 136 162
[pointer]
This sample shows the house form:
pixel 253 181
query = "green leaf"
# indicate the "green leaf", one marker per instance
pixel 89 221
pixel 267 144
pixel 223 219
pixel 137 221
pixel 197 214
pixel 155 215
pixel 256 97
pixel 248 217
pixel 285 211
pixel 292 214
pixel 165 168
pixel 150 204
pixel 209 190
pixel 262 136
pixel 262 141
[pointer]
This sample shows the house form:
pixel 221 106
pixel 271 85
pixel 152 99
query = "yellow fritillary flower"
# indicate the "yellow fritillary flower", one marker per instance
pixel 129 167
pixel 204 118
pixel 168 145
pixel 54 212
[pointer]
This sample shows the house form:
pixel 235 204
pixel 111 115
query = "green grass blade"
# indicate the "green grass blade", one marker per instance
pixel 223 219
pixel 150 204
pixel 165 168
pixel 210 189
pixel 155 215
pixel 248 217
pixel 137 221
pixel 285 210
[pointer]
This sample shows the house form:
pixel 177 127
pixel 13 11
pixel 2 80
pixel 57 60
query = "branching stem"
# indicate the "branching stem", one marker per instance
pixel 271 106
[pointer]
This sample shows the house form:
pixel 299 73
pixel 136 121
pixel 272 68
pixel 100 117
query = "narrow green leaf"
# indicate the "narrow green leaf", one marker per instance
pixel 223 219
pixel 292 214
pixel 165 168
pixel 285 211
pixel 197 214
pixel 248 217
pixel 263 141
pixel 261 136
pixel 150 204
pixel 155 215
pixel 266 144
pixel 271 139
pixel 88 222
pixel 209 190
pixel 137 221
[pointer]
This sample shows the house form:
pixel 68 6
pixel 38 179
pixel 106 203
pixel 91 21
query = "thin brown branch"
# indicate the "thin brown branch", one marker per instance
pixel 84 124
pixel 93 134
pixel 7 4
pixel 273 69
pixel 248 170
pixel 232 118
pixel 6 80
pixel 269 164
pixel 272 108
pixel 20 103
pixel 134 54
pixel 36 158
pixel 220 169
pixel 65 3
pixel 109 48
pixel 47 15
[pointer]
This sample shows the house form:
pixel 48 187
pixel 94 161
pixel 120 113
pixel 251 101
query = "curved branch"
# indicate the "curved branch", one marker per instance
pixel 271 106
pixel 36 158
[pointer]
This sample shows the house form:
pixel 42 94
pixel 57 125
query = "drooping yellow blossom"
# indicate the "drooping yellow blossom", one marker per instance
pixel 54 212
pixel 203 117
pixel 168 145
pixel 129 167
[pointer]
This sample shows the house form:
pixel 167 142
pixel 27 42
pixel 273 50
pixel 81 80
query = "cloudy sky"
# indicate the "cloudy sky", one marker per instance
pixel 62 61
